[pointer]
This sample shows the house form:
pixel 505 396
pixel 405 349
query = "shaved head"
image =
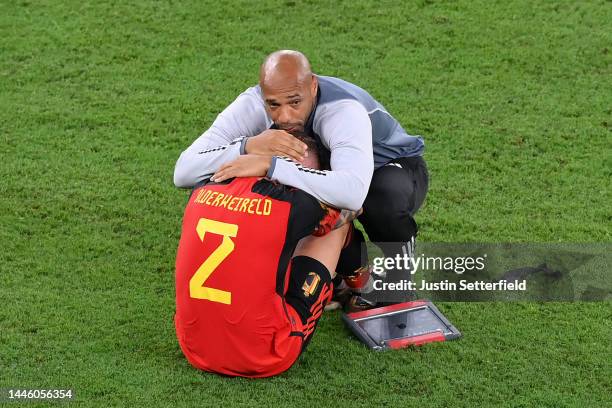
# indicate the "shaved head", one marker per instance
pixel 285 63
pixel 289 88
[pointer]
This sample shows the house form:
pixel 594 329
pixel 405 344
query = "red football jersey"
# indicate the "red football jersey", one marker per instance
pixel 231 274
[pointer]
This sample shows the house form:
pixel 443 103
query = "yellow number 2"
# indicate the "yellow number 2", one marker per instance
pixel 196 288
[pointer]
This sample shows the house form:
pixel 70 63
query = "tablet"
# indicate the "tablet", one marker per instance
pixel 401 325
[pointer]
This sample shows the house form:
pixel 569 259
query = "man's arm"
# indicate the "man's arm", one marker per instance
pixel 335 219
pixel 224 140
pixel 348 130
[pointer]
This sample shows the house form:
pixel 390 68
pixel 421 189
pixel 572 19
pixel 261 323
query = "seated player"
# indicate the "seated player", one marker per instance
pixel 249 288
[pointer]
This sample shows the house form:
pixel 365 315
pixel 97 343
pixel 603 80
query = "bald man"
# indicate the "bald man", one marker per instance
pixel 375 164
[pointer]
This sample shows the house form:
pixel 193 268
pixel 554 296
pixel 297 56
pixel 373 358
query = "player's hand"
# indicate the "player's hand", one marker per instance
pixel 274 142
pixel 247 165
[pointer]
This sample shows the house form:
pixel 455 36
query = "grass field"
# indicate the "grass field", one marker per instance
pixel 98 99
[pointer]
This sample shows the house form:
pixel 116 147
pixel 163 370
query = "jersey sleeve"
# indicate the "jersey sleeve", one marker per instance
pixel 311 217
pixel 307 214
pixel 224 140
pixel 347 129
pixel 330 219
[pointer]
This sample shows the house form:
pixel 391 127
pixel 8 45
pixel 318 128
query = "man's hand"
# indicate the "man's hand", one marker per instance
pixel 247 165
pixel 274 142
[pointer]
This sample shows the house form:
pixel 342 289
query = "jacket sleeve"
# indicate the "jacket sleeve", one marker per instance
pixel 224 140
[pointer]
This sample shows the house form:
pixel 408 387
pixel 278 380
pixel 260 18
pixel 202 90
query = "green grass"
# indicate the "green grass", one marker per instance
pixel 97 100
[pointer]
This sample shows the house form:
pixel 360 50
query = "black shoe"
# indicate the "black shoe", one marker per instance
pixel 357 304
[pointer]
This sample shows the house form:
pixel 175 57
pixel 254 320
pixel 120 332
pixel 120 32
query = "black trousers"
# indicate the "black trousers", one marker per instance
pixel 396 193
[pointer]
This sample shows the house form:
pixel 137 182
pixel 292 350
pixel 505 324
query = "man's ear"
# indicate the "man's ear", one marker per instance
pixel 314 85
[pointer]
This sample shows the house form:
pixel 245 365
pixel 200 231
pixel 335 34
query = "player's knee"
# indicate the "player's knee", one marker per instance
pixel 393 195
pixel 324 249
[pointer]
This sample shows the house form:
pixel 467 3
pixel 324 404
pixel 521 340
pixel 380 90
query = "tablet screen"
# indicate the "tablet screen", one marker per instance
pixel 403 323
